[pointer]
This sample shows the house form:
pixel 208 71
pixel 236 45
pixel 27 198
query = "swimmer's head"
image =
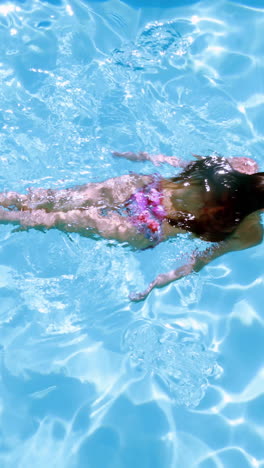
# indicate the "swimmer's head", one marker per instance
pixel 228 197
pixel 257 191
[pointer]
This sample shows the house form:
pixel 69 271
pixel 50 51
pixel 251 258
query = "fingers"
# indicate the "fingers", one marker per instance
pixel 137 297
pixel 177 162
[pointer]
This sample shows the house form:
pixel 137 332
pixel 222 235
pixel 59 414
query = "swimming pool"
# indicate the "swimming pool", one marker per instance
pixel 89 379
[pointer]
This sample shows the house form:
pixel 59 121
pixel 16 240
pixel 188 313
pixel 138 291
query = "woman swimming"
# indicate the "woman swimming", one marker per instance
pixel 214 198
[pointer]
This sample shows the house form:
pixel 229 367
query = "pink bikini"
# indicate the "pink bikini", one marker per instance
pixel 146 210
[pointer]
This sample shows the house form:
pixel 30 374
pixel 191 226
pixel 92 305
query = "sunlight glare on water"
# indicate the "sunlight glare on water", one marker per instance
pixel 87 377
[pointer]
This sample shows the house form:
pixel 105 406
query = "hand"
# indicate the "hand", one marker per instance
pixel 174 161
pixel 137 297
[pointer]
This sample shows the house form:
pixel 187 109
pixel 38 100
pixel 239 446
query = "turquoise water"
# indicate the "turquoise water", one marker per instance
pixel 89 379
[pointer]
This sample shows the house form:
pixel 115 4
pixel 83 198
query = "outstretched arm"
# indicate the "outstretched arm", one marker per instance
pixel 240 164
pixel 243 164
pixel 248 234
pixel 156 159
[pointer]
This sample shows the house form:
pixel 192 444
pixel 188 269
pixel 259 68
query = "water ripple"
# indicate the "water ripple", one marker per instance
pixel 78 80
pixel 184 365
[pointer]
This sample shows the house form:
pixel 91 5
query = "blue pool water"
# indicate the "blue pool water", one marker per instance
pixel 89 379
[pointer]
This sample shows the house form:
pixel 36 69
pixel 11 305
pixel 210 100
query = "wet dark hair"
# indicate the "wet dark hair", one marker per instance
pixel 228 196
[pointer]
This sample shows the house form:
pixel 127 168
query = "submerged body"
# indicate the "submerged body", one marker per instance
pixel 210 198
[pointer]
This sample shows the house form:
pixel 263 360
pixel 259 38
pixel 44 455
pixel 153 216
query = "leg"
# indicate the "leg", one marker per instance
pixel 86 222
pixel 105 194
pixel 54 200
pixel 113 226
pixel 34 199
pixel 112 192
pixel 31 218
pixel 12 199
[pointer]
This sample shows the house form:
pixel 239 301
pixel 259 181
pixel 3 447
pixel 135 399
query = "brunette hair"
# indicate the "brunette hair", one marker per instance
pixel 228 197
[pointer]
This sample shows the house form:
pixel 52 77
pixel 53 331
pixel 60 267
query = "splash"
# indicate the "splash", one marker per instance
pixel 158 42
pixel 183 364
